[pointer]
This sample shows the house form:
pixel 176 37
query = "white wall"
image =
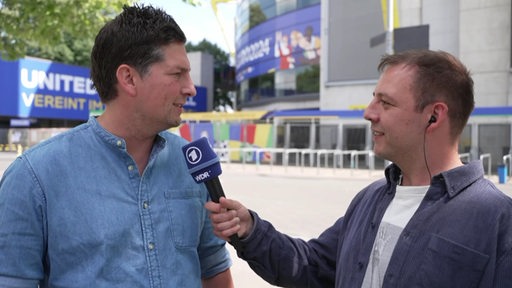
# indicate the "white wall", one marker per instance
pixel 476 31
pixel 485 48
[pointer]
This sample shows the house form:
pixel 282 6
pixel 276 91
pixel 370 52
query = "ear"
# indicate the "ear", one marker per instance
pixel 439 112
pixel 125 75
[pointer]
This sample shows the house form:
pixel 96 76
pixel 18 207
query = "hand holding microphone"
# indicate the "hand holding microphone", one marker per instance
pixel 204 166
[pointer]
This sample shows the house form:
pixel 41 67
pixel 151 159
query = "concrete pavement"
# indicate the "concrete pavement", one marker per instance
pixel 299 201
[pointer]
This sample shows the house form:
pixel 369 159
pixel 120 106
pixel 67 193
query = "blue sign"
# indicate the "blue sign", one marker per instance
pixel 199 102
pixel 284 42
pixel 38 88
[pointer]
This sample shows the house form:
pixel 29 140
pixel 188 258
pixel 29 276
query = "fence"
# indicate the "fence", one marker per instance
pixel 269 156
pixel 319 158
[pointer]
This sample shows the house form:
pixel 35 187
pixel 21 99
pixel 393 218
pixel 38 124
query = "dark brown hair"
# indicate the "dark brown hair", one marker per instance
pixel 135 37
pixel 439 77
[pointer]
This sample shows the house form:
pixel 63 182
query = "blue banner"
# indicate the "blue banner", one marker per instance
pixel 284 42
pixel 38 88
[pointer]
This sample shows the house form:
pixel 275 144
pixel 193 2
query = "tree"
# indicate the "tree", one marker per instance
pixel 194 2
pixel 224 74
pixel 308 81
pixel 70 51
pixel 256 15
pixel 53 29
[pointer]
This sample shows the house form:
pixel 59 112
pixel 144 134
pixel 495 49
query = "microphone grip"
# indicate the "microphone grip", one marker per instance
pixel 215 190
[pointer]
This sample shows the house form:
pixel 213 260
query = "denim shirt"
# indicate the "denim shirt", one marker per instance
pixel 74 212
pixel 460 236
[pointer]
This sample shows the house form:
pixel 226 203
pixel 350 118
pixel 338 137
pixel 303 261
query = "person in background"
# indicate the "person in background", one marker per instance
pixel 432 221
pixel 110 203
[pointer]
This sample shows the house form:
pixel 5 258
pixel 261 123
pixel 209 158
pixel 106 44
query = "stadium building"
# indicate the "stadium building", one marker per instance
pixel 312 65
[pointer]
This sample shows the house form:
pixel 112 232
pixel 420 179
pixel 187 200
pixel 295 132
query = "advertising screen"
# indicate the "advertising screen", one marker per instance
pixel 284 42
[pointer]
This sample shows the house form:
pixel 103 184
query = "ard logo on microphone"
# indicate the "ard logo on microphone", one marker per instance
pixel 194 155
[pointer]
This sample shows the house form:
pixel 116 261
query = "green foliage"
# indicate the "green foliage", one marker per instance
pixel 309 80
pixel 60 30
pixel 69 51
pixel 220 56
pixel 194 2
pixel 256 15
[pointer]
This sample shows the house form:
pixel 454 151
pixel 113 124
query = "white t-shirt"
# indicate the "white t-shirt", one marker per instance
pixel 399 212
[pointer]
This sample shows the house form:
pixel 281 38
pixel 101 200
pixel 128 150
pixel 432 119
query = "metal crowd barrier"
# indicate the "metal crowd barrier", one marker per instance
pixel 320 157
pixel 299 156
pixel 466 156
pixel 489 165
pixel 508 158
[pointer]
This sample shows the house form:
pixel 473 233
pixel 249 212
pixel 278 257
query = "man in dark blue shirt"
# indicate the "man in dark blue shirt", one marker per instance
pixel 433 221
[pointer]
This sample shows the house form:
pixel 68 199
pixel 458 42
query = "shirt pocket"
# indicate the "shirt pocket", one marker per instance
pixel 451 265
pixel 186 213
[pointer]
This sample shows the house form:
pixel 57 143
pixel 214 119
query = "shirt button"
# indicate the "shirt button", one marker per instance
pixel 130 168
pixel 360 265
pixel 151 246
pixel 119 143
pixel 145 205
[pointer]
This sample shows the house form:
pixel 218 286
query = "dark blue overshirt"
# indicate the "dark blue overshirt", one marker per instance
pixel 460 236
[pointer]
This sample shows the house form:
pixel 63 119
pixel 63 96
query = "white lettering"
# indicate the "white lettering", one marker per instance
pixel 253 52
pixel 30 84
pixel 191 102
pixel 45 80
pixel 89 89
pixel 56 82
pixel 79 85
pixel 66 79
pixel 203 176
pixel 27 99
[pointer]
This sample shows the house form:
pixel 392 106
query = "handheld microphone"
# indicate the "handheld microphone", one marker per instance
pixel 204 166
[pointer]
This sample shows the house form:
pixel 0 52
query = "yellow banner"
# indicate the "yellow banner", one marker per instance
pixel 223 116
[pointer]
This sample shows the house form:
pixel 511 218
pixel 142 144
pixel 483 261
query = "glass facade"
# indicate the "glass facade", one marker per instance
pixel 278 50
pixel 253 12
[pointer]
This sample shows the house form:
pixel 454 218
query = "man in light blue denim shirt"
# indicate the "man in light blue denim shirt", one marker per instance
pixel 110 203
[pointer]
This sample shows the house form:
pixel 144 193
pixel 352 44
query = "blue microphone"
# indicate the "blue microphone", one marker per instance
pixel 204 166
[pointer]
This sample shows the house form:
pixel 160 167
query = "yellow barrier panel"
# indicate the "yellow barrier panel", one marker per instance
pixel 18 148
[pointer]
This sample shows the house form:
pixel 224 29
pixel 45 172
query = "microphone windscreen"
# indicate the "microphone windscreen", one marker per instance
pixel 202 162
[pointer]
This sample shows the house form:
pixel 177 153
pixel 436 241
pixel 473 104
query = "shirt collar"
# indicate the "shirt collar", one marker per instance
pixel 457 179
pixel 453 181
pixel 116 141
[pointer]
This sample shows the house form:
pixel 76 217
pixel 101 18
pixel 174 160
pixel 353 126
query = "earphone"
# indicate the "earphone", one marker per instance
pixel 432 119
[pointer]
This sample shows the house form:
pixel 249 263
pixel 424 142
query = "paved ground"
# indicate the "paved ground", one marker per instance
pixel 301 202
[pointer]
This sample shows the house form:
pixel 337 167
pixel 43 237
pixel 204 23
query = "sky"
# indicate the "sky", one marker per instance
pixel 200 22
